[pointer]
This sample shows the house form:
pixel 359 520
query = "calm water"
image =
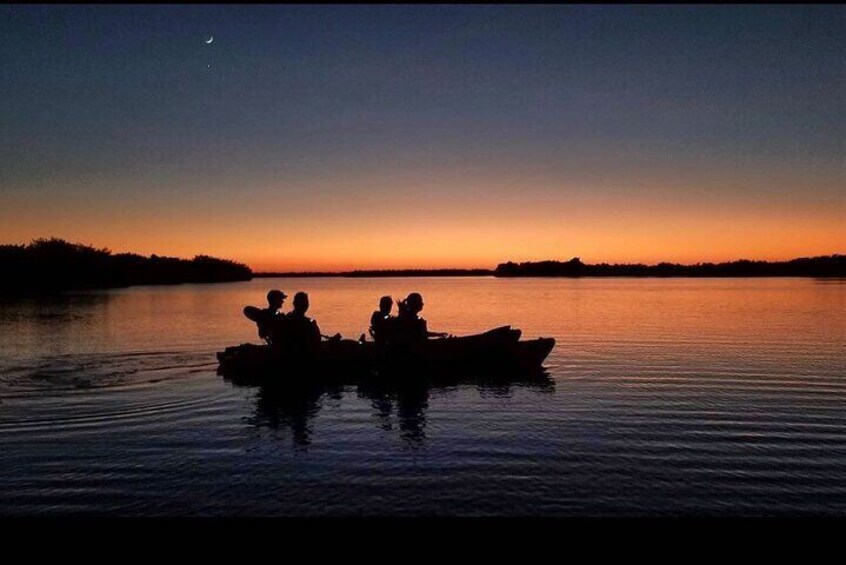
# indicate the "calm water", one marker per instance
pixel 666 397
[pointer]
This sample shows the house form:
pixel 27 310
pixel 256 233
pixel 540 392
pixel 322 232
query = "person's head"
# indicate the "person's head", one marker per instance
pixel 414 302
pixel 301 302
pixel 385 304
pixel 275 298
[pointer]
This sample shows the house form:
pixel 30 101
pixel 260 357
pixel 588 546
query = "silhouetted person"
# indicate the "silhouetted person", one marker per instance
pixel 270 319
pixel 301 333
pixel 409 329
pixel 380 319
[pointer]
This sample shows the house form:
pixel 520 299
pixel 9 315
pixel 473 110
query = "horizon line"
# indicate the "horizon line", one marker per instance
pixel 304 272
pixel 492 270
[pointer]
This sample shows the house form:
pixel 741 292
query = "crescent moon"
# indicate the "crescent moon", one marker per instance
pixel 210 39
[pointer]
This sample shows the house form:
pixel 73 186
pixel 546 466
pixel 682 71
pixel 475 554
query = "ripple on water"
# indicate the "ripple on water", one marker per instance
pixel 734 405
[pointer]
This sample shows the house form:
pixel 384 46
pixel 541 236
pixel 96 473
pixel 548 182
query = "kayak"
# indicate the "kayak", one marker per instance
pixel 498 351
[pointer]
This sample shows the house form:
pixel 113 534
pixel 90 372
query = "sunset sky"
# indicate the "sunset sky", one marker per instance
pixel 341 137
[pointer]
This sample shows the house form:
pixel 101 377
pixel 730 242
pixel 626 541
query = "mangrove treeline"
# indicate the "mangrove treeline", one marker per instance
pixel 55 264
pixel 824 266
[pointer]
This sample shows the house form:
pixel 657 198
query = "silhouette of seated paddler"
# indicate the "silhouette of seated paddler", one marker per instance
pixel 380 319
pixel 408 329
pixel 300 334
pixel 269 320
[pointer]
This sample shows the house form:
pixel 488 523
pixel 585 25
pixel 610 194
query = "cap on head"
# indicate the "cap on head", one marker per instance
pixel 276 295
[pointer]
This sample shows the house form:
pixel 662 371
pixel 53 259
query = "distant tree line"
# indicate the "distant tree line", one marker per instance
pixel 55 264
pixel 824 266
pixel 386 273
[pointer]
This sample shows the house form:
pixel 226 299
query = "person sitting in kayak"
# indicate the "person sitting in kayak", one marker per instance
pixel 380 319
pixel 409 328
pixel 301 334
pixel 269 319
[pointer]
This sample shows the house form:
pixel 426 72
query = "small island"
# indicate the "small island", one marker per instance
pixel 55 264
pixel 823 266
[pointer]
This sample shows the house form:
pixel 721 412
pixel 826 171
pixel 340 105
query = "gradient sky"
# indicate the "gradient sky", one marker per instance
pixel 336 137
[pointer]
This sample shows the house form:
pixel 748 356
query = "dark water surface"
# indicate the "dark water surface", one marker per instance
pixel 665 397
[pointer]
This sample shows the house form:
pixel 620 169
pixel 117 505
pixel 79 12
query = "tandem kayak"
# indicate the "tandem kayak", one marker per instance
pixel 497 351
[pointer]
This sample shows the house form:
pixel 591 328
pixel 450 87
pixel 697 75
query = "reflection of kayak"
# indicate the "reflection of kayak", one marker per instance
pixel 496 351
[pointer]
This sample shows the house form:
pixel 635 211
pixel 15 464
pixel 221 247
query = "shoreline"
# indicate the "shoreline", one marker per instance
pixel 822 266
pixel 55 265
pixel 335 275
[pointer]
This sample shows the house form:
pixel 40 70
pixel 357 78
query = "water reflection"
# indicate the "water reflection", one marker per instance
pixel 50 311
pixel 410 403
pixel 682 396
pixel 294 404
pixel 49 325
pixel 292 407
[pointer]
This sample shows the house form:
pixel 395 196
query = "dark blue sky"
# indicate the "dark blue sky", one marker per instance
pixel 118 104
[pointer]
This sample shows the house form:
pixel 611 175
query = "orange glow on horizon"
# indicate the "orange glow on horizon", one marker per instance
pixel 461 224
pixel 475 244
